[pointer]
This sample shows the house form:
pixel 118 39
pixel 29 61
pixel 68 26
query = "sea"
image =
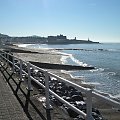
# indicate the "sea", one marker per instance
pixel 105 57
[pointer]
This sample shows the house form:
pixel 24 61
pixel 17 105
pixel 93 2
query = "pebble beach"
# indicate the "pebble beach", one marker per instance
pixel 53 56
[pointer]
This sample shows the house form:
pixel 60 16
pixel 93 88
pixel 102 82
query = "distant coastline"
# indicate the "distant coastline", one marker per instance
pixel 59 39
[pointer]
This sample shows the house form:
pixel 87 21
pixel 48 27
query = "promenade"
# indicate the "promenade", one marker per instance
pixel 17 103
pixel 10 108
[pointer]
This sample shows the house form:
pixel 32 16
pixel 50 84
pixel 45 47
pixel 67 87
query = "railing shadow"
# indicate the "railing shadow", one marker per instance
pixel 24 104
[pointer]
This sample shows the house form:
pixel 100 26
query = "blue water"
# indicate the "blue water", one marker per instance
pixel 104 57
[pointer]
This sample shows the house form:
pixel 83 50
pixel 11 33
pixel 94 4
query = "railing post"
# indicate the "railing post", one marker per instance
pixel 47 90
pixel 21 62
pixel 13 64
pixel 2 56
pixel 7 59
pixel 5 55
pixel 29 79
pixel 4 60
pixel 89 105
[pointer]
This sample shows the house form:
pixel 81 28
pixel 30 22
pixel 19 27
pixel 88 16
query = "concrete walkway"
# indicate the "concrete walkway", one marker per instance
pixel 10 108
pixel 17 103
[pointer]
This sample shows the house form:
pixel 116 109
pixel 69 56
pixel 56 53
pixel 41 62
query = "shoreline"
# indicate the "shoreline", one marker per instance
pixel 49 56
pixel 54 57
pixel 108 112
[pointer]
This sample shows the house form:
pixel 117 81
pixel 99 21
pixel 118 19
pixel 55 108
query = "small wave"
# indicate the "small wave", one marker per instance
pixel 114 50
pixel 77 61
pixel 77 77
pixel 64 56
pixel 72 76
pixel 23 45
pixel 64 59
pixel 62 53
pixel 104 94
pixel 91 83
pixel 97 70
pixel 117 96
pixel 111 73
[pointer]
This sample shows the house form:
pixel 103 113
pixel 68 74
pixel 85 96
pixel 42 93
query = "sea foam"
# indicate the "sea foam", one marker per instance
pixel 77 61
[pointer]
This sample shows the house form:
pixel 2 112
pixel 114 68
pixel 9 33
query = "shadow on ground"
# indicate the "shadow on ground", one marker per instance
pixel 31 106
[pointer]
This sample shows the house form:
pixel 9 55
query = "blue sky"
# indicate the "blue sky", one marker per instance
pixel 97 19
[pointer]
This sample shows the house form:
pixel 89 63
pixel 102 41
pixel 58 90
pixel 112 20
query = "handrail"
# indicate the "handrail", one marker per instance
pixel 89 93
pixel 68 104
pixel 42 70
pixel 61 99
pixel 68 82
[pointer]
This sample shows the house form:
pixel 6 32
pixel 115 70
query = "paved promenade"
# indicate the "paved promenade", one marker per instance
pixel 10 108
pixel 17 103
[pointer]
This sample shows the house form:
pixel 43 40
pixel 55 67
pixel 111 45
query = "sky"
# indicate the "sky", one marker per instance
pixel 98 20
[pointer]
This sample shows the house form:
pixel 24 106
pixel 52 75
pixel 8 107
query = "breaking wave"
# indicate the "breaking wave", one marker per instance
pixel 77 61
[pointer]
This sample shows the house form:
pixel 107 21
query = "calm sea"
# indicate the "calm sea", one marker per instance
pixel 104 57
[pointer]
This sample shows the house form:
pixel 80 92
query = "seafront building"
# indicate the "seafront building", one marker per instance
pixel 59 39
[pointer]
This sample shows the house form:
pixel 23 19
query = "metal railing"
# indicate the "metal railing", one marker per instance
pixel 88 92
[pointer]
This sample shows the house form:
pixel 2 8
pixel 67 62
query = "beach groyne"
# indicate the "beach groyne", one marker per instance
pixel 48 65
pixel 60 66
